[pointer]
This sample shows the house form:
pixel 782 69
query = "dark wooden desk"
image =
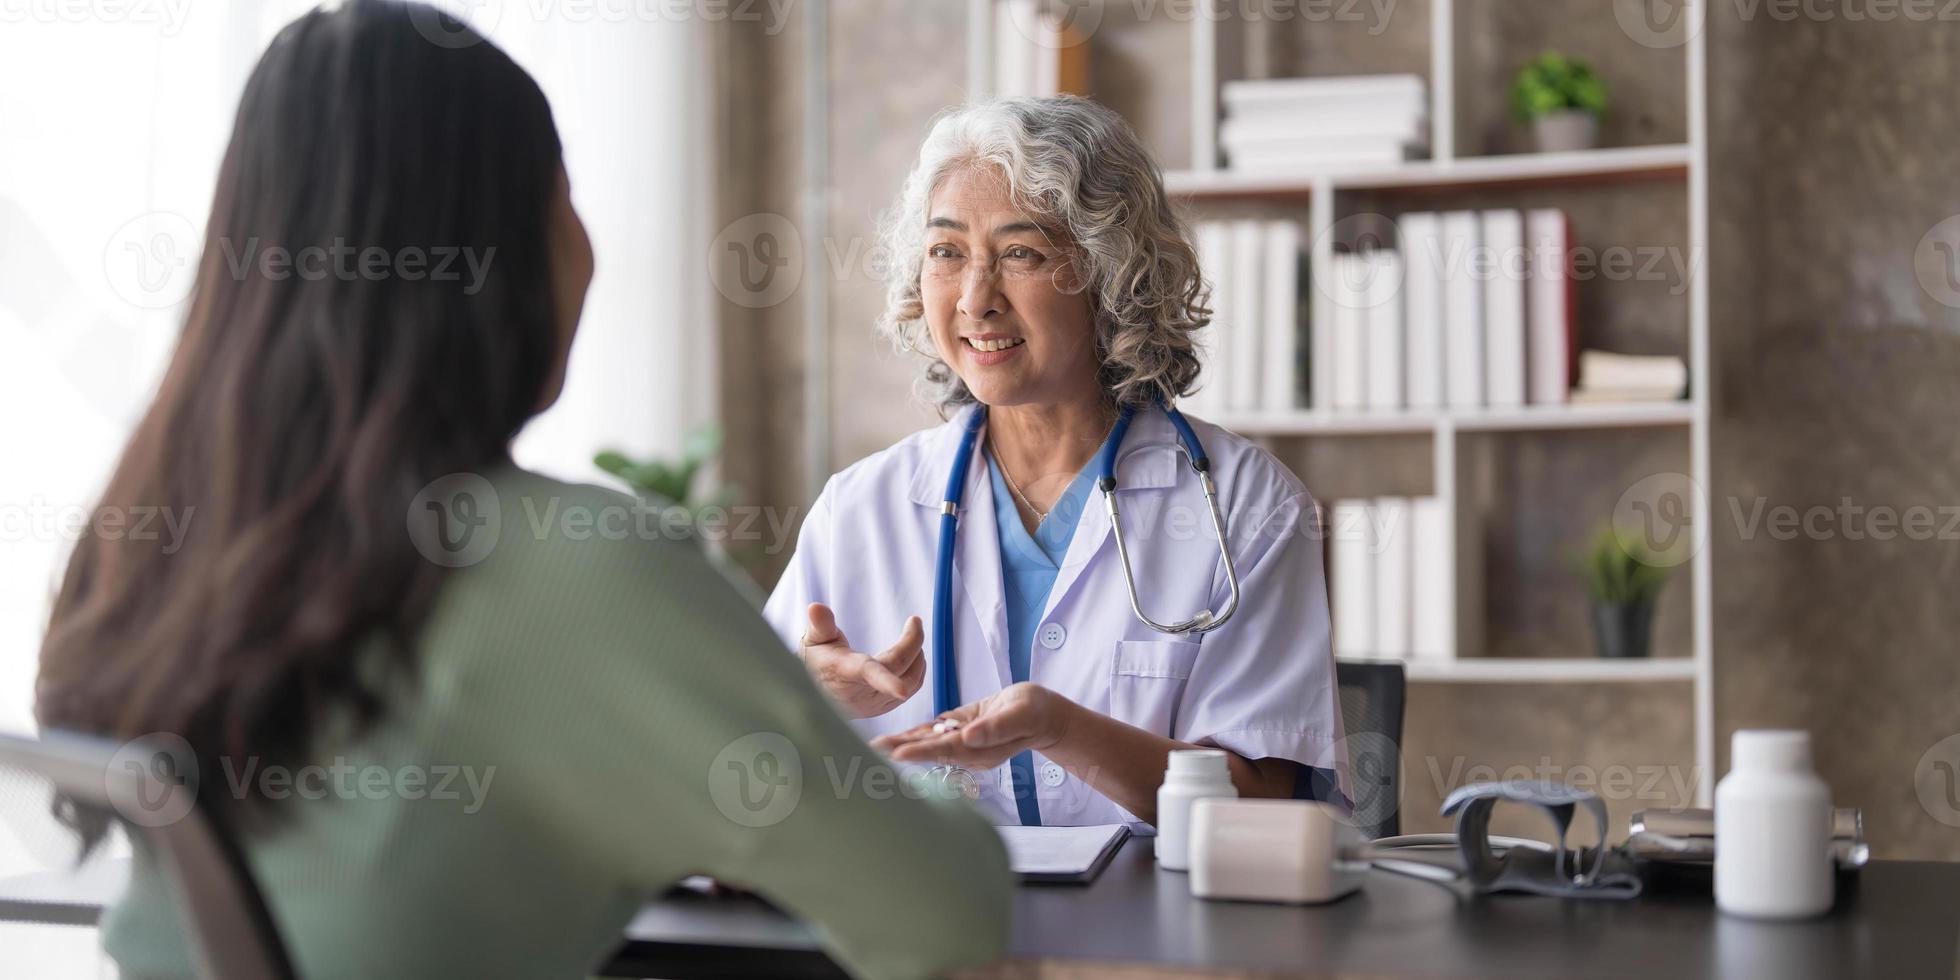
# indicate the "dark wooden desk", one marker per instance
pixel 1899 919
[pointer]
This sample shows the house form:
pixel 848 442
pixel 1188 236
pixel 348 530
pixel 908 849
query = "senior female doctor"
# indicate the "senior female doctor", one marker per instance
pixel 1040 274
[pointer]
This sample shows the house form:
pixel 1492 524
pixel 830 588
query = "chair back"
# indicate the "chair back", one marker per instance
pixel 1372 693
pixel 150 788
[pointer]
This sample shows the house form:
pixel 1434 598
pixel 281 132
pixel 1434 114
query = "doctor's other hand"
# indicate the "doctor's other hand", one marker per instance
pixel 988 732
pixel 865 685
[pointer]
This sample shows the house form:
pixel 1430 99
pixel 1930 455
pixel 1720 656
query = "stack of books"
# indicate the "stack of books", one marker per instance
pixel 1251 351
pixel 1475 309
pixel 1319 125
pixel 1389 568
pixel 1606 377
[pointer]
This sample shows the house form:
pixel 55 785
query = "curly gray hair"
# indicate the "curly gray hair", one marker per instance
pixel 1076 165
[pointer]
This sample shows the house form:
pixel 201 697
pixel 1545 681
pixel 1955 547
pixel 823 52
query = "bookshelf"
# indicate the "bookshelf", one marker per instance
pixel 1456 438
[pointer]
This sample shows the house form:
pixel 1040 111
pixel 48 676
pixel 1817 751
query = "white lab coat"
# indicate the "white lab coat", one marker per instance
pixel 1262 685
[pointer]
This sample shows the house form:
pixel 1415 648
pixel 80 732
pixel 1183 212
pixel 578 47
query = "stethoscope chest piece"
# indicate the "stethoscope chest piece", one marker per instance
pixel 951 780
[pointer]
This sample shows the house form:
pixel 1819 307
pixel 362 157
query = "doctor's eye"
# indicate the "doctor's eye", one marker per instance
pixel 942 251
pixel 1021 253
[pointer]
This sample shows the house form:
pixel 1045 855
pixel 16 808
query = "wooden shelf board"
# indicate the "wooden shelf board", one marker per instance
pixel 1504 670
pixel 1614 165
pixel 1527 418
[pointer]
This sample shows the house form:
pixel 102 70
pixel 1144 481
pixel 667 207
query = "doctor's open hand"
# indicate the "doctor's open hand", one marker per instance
pixel 988 732
pixel 865 685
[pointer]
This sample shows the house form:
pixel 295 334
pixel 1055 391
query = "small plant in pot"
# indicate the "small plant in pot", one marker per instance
pixel 671 484
pixel 1623 579
pixel 1562 100
pixel 667 488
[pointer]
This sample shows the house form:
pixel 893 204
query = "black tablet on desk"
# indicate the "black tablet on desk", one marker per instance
pixel 1062 855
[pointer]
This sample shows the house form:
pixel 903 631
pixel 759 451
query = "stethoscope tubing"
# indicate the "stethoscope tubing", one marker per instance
pixel 946 685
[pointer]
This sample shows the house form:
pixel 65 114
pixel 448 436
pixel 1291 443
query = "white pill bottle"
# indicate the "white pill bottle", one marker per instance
pixel 1772 829
pixel 1193 775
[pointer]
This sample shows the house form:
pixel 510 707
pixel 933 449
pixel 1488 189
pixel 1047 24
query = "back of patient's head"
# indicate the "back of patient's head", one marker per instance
pixel 307 404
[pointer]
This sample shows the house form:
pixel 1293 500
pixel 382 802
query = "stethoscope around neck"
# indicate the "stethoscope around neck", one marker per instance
pixel 946 681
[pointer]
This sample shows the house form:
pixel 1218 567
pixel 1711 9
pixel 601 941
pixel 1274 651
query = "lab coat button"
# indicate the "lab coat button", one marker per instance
pixel 1051 774
pixel 1053 636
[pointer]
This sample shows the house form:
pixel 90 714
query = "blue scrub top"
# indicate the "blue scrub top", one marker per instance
pixel 1029 564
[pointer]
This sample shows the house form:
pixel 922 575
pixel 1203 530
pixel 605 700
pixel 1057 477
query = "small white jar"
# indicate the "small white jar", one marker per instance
pixel 1193 774
pixel 1772 829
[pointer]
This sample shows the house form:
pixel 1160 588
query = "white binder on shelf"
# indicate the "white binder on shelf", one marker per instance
pixel 1352 554
pixel 1394 584
pixel 1350 340
pixel 1504 309
pixel 1432 619
pixel 1463 313
pixel 1422 311
pixel 1320 337
pixel 1279 387
pixel 1550 307
pixel 1248 298
pixel 1385 337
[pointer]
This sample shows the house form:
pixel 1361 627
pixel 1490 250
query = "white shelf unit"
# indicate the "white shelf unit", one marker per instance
pixel 1506 670
pixel 1213 48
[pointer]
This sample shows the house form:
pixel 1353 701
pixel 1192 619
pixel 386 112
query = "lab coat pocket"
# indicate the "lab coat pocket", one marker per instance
pixel 1147 682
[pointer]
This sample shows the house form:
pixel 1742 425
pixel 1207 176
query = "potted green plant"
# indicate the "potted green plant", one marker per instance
pixel 667 484
pixel 1562 100
pixel 1623 579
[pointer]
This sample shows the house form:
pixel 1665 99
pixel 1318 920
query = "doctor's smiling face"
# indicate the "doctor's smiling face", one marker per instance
pixel 1002 296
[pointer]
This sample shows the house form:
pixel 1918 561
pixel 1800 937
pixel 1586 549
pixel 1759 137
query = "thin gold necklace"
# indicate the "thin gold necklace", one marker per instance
pixel 1039 514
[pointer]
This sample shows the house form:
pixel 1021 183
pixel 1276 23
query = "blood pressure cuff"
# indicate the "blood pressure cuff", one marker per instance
pixel 1596 872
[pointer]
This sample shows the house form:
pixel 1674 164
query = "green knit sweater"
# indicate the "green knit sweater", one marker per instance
pixel 595 714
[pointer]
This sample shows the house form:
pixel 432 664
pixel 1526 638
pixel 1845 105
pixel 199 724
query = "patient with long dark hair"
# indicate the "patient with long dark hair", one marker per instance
pixel 451 741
